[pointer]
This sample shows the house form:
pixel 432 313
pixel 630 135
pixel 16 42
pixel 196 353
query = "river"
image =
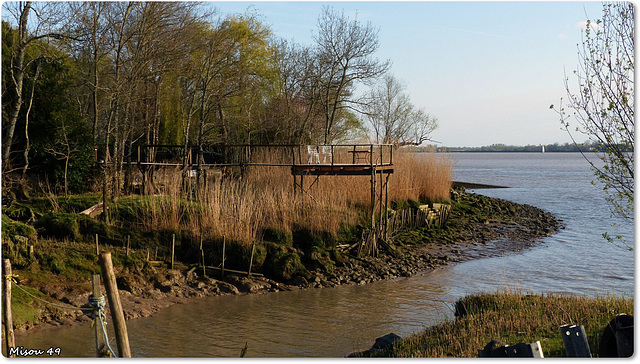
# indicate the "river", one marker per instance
pixel 331 322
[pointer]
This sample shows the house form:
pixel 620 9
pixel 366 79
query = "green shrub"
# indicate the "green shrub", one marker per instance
pixel 12 228
pixel 61 226
pixel 283 262
pixel 274 235
pixel 305 240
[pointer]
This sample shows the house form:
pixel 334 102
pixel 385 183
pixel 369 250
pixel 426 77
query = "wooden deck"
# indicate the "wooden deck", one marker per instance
pixel 340 169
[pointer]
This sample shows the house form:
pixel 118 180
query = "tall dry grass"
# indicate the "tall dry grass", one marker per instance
pixel 240 209
pixel 514 317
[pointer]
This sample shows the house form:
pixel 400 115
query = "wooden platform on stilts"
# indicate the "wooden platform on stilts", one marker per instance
pixel 340 169
pixel 196 162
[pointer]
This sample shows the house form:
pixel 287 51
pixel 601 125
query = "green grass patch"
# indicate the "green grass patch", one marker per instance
pixel 24 307
pixel 513 318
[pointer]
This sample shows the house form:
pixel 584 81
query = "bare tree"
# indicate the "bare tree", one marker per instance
pixel 47 25
pixel 393 119
pixel 603 104
pixel 296 112
pixel 346 51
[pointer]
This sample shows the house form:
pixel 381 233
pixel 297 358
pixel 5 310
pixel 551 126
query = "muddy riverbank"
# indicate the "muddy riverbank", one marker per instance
pixel 478 227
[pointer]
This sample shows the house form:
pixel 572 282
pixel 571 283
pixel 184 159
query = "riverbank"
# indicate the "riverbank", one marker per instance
pixel 478 227
pixel 511 318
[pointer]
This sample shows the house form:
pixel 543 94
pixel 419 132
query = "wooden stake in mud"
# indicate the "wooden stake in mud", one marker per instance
pixel 9 337
pixel 253 247
pixel 173 248
pixel 101 342
pixel 204 269
pixel 119 324
pixel 224 243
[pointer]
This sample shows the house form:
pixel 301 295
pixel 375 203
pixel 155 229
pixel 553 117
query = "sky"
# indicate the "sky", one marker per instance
pixel 488 71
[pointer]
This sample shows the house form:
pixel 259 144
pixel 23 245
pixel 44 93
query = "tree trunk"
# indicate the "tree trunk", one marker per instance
pixel 27 147
pixel 17 74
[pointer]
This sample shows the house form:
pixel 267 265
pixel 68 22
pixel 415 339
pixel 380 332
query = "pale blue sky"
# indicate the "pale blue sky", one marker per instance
pixel 487 70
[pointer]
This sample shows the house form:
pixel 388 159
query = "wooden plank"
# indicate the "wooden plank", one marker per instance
pixel 94 210
pixel 235 271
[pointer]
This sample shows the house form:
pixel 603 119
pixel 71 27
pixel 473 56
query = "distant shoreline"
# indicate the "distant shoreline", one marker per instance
pixel 510 151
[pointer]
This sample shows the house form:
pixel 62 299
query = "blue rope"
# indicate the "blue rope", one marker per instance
pixel 98 304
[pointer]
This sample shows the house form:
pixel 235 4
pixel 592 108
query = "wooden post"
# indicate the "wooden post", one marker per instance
pixel 9 337
pixel 32 253
pixel 575 341
pixel 224 243
pixel 253 246
pixel 101 342
pixel 386 207
pixel 119 324
pixel 173 247
pixel 147 254
pixel 128 244
pixel 97 246
pixel 204 269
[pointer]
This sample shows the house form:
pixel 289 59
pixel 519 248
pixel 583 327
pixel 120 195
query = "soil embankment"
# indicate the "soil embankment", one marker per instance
pixel 478 227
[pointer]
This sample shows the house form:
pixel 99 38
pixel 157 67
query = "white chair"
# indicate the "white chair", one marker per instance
pixel 313 152
pixel 326 153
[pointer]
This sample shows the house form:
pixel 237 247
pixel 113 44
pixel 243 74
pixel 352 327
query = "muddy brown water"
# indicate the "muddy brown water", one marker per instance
pixel 328 322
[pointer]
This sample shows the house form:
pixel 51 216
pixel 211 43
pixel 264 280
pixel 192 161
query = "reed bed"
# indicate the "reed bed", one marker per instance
pixel 240 208
pixel 513 317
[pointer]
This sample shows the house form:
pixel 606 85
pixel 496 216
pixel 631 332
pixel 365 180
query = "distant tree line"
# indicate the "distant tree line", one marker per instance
pixel 81 79
pixel 556 147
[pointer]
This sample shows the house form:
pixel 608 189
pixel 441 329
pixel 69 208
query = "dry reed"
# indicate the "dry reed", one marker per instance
pixel 240 208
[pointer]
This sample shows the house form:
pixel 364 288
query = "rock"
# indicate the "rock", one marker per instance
pixel 382 343
pixel 227 288
pixel 386 341
pixel 299 281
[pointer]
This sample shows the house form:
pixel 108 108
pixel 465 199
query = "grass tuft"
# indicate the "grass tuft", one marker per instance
pixel 513 318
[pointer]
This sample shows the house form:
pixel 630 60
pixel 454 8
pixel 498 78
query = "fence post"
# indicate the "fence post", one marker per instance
pixel 204 269
pixel 173 247
pixel 575 341
pixel 253 246
pixel 224 243
pixel 97 246
pixel 101 342
pixel 9 337
pixel 119 324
